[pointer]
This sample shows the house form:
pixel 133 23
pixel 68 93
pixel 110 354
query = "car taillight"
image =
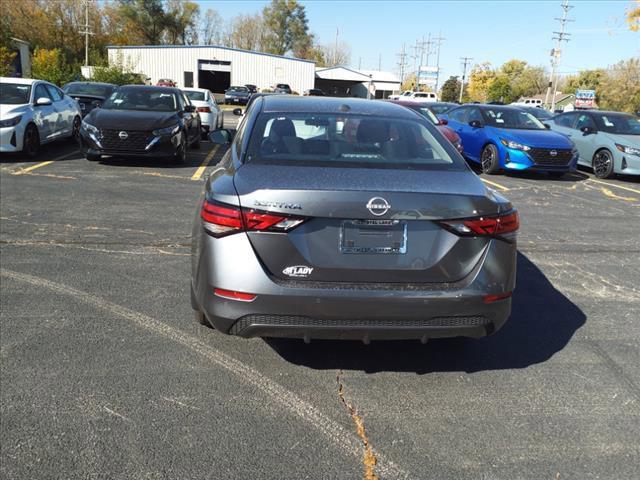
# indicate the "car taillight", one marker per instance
pixel 220 220
pixel 494 226
pixel 204 109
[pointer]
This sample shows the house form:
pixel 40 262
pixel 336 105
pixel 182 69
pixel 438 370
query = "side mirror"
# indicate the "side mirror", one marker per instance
pixel 476 124
pixel 444 121
pixel 237 112
pixel 189 108
pixel 220 137
pixel 42 101
pixel 547 126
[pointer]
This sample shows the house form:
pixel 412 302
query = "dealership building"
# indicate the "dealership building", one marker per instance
pixel 217 68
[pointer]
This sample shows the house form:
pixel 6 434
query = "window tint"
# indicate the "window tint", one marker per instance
pixel 565 120
pixel 585 120
pixel 14 93
pixel 54 93
pixel 194 95
pixel 339 140
pixel 143 99
pixel 474 114
pixel 459 114
pixel 511 118
pixel 41 92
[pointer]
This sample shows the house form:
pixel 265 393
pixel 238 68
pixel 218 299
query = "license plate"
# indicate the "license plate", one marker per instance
pixel 373 236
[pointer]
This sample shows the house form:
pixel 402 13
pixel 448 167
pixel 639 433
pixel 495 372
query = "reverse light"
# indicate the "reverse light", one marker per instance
pixel 204 109
pixel 628 150
pixel 515 145
pixel 220 220
pixel 233 295
pixel 493 226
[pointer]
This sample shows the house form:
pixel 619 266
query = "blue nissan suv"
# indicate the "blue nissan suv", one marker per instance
pixel 501 137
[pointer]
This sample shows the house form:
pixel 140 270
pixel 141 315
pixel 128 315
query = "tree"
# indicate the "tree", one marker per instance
pixel 148 16
pixel 633 17
pixel 586 79
pixel 500 90
pixel 450 90
pixel 287 28
pixel 248 32
pixel 211 28
pixel 7 57
pixel 336 55
pixel 51 65
pixel 480 79
pixel 618 88
pixel 409 82
pixel 182 18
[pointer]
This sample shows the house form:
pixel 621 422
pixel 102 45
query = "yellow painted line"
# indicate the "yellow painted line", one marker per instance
pixel 494 184
pixel 43 164
pixel 610 194
pixel 205 163
pixel 622 187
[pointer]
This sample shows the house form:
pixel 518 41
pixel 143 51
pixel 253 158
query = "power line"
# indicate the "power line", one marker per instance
pixel 402 62
pixel 465 61
pixel 556 53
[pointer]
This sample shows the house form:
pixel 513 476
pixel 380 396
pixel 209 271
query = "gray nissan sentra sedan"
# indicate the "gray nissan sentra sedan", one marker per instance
pixel 350 219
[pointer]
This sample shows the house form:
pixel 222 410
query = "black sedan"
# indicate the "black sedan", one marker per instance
pixel 237 95
pixel 89 95
pixel 142 121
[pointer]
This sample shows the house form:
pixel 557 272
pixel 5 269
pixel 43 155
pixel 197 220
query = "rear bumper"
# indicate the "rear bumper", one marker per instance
pixel 346 311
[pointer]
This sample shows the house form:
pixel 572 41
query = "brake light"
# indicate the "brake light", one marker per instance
pixel 485 226
pixel 204 109
pixel 220 219
pixel 496 298
pixel 232 295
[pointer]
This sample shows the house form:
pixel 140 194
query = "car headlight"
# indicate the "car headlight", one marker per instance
pixel 515 145
pixel 172 130
pixel 89 128
pixel 628 150
pixel 10 122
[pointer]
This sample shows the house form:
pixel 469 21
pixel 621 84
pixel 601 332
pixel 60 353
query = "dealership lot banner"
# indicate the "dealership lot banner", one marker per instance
pixel 585 98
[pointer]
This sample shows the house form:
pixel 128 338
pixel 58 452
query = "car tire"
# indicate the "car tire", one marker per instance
pixel 489 159
pixel 93 157
pixel 602 163
pixel 197 312
pixel 31 141
pixel 181 154
pixel 556 174
pixel 75 131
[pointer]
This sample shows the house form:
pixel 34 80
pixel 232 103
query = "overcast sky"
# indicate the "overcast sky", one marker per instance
pixel 487 31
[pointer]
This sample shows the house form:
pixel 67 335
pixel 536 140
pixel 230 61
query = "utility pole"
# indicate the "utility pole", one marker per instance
pixel 379 62
pixel 86 33
pixel 465 61
pixel 335 51
pixel 556 53
pixel 402 62
pixel 416 48
pixel 438 42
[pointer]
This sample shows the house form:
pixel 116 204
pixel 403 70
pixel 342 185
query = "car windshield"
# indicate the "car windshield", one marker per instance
pixel 91 89
pixel 428 113
pixel 142 99
pixel 511 118
pixel 194 95
pixel 238 89
pixel 339 140
pixel 440 109
pixel 14 93
pixel 540 113
pixel 618 123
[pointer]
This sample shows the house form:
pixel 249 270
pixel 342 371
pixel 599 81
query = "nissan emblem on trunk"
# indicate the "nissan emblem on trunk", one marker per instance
pixel 378 206
pixel 123 135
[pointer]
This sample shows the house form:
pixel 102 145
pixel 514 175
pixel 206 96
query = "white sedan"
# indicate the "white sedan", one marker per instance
pixel 35 112
pixel 211 116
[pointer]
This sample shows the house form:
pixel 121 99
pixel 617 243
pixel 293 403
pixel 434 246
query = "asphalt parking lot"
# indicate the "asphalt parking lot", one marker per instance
pixel 105 374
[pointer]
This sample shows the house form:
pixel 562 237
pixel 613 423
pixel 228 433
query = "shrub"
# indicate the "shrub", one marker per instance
pixel 52 66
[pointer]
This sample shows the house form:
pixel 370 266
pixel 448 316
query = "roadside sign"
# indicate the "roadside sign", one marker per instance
pixel 585 98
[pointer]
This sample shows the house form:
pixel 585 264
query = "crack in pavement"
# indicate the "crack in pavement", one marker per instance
pixel 149 249
pixel 369 460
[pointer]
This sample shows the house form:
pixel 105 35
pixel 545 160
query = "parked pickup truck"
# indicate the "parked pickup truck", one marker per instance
pixel 411 96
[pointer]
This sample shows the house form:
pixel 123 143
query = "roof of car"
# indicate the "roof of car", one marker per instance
pixel 92 83
pixel 22 81
pixel 152 87
pixel 357 106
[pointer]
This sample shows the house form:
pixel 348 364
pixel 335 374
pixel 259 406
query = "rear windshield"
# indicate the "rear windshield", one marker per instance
pixel 618 123
pixel 191 95
pixel 14 93
pixel 347 140
pixel 142 99
pixel 91 89
pixel 238 89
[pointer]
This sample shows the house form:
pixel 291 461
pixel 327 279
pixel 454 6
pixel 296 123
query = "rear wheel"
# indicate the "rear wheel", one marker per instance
pixel 31 141
pixel 489 159
pixel 603 163
pixel 197 313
